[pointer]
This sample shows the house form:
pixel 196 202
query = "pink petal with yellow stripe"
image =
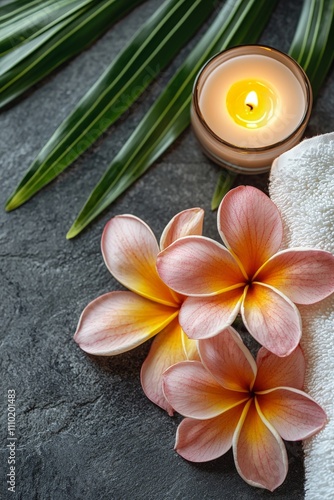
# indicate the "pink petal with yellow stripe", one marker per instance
pixel 274 371
pixel 228 360
pixel 294 414
pixel 305 276
pixel 203 440
pixel 259 452
pixel 272 319
pixel 250 225
pixel 186 223
pixel 193 392
pixel 167 349
pixel 119 321
pixel 198 266
pixel 130 250
pixel 205 317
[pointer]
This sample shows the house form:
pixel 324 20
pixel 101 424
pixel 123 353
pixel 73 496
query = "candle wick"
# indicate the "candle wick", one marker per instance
pixel 250 107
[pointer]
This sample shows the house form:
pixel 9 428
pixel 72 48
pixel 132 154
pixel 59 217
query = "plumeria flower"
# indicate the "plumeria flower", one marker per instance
pixel 119 321
pixel 232 401
pixel 250 275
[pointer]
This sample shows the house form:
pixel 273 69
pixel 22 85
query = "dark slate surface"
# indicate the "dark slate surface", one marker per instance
pixel 84 428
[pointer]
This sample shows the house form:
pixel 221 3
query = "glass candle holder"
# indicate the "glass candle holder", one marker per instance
pixel 250 104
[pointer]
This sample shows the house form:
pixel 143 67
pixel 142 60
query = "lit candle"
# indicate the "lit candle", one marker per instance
pixel 250 104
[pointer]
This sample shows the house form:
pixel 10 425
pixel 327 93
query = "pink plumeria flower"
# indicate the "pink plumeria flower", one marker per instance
pixel 250 275
pixel 119 321
pixel 232 401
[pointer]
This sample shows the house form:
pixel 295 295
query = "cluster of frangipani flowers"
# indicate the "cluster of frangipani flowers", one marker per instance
pixel 230 400
pixel 188 291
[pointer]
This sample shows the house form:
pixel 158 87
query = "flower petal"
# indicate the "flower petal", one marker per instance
pixel 275 371
pixel 119 321
pixel 204 317
pixel 193 392
pixel 294 414
pixel 250 225
pixel 228 360
pixel 166 350
pixel 305 276
pixel 197 266
pixel 259 452
pixel 186 223
pixel 130 250
pixel 190 347
pixel 272 319
pixel 203 440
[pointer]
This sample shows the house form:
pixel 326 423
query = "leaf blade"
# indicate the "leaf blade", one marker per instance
pixel 312 46
pixel 18 8
pixel 59 44
pixel 36 21
pixel 224 184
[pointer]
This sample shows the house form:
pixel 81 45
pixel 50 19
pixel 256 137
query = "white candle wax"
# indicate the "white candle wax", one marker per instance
pixel 289 108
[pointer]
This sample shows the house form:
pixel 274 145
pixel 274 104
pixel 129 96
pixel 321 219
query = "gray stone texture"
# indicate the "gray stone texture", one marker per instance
pixel 84 428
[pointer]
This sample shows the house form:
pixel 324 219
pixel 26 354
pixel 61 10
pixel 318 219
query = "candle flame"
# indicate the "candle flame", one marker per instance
pixel 251 100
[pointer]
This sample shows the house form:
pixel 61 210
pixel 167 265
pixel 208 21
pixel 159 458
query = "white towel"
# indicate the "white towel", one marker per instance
pixel 302 186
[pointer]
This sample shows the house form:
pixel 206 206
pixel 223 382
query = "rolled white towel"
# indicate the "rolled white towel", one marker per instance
pixel 302 186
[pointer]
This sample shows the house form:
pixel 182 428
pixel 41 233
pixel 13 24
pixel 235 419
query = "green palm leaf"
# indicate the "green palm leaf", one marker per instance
pixel 17 9
pixel 38 19
pixel 30 62
pixel 152 48
pixel 313 44
pixel 224 184
pixel 238 22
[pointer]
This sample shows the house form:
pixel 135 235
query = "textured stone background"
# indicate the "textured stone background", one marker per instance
pixel 85 430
